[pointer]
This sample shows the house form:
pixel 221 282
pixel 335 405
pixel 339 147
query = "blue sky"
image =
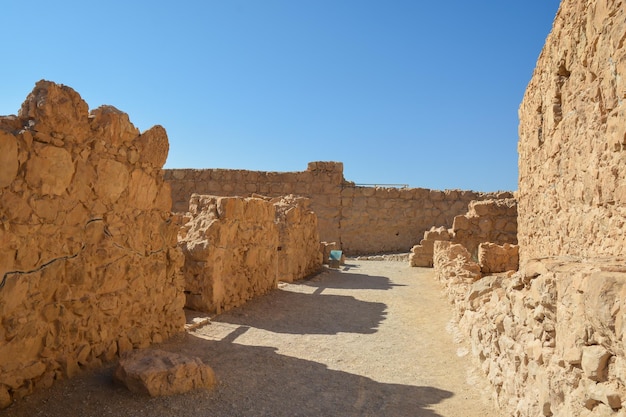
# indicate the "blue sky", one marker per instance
pixel 401 91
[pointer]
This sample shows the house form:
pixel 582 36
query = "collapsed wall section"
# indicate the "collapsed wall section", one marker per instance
pixel 487 221
pixel 88 261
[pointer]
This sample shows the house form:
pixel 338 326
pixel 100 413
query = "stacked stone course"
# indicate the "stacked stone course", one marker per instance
pixel 486 222
pixel 361 220
pixel 551 338
pixel 88 261
pixel 238 248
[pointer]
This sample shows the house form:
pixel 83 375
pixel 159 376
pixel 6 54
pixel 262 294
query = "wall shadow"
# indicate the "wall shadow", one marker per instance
pixel 283 311
pixel 348 281
pixel 252 381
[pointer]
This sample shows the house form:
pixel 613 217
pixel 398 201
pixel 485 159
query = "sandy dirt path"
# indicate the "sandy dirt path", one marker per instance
pixel 370 339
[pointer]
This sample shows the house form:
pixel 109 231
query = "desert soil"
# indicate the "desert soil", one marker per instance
pixel 369 339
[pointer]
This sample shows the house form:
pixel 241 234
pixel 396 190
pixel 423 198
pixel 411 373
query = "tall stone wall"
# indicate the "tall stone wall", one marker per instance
pixel 360 219
pixel 572 137
pixel 551 338
pixel 88 261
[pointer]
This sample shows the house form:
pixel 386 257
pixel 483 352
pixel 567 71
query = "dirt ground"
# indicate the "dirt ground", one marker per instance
pixel 370 339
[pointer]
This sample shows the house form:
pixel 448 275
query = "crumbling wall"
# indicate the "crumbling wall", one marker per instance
pixel 322 182
pixel 360 220
pixel 238 248
pixel 88 261
pixel 551 337
pixel 230 247
pixel 572 137
pixel 299 252
pixel 487 221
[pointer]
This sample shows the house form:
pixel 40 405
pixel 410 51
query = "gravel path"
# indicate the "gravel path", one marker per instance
pixel 370 339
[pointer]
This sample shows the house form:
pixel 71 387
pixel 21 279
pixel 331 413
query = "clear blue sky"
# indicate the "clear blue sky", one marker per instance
pixel 401 91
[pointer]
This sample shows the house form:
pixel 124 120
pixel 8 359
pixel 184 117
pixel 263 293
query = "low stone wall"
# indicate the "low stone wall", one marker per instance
pixel 88 261
pixel 238 248
pixel 551 337
pixel 360 220
pixel 493 221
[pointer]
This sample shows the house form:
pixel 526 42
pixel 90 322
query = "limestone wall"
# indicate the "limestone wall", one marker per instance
pixel 360 219
pixel 551 337
pixel 487 221
pixel 572 137
pixel 238 248
pixel 299 252
pixel 88 260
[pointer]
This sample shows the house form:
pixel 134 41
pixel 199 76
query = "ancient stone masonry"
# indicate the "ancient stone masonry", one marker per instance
pixel 551 337
pixel 488 221
pixel 238 248
pixel 89 266
pixel 572 137
pixel 360 220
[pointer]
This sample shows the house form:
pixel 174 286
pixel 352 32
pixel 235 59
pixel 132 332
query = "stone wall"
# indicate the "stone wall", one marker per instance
pixel 299 252
pixel 572 137
pixel 88 261
pixel 360 219
pixel 487 221
pixel 551 337
pixel 238 248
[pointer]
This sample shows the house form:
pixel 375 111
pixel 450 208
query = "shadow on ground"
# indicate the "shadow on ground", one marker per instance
pixel 253 381
pixel 285 311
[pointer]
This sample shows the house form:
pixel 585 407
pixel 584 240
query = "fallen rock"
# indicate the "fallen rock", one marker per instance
pixel 159 373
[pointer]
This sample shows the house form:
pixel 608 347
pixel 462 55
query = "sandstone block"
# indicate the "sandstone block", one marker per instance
pixel 594 362
pixel 159 373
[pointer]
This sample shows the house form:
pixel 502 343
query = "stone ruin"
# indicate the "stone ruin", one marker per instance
pixel 488 232
pixel 551 338
pixel 89 266
pixel 238 248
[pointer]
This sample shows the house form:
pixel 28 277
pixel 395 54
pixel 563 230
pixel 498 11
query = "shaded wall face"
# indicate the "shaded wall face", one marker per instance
pixel 572 145
pixel 360 219
pixel 88 258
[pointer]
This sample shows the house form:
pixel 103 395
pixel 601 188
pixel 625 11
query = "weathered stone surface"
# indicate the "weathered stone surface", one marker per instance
pixel 494 258
pixel 85 271
pixel 158 373
pixel 299 255
pixel 572 139
pixel 364 220
pixel 493 221
pixel 238 248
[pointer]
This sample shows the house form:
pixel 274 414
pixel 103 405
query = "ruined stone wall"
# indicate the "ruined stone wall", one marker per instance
pixel 360 219
pixel 572 137
pixel 551 337
pixel 322 182
pixel 88 261
pixel 229 244
pixel 487 221
pixel 238 248
pixel 299 252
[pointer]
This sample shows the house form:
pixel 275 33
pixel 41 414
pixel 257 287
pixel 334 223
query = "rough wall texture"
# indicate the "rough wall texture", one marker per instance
pixel 493 221
pixel 88 261
pixel 237 248
pixel 572 144
pixel 551 337
pixel 360 219
pixel 300 254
